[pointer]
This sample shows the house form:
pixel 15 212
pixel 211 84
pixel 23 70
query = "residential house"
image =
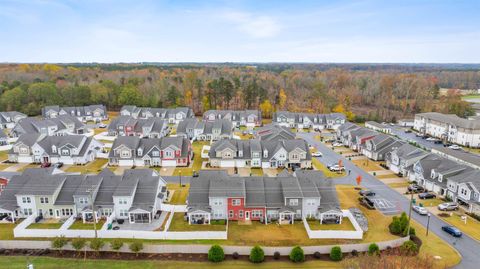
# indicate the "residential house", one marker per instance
pixel 172 115
pixel 68 149
pixel 383 128
pixel 342 133
pixel 247 118
pixel 135 151
pixel 378 147
pixel 130 126
pixel 136 196
pixel 449 127
pixel 309 120
pixel 259 153
pixel 215 195
pixel 406 122
pixel 356 138
pixel 60 125
pixel 274 132
pixel 94 113
pixel 401 160
pixel 8 119
pixel 194 129
pixel 3 138
pixel 459 156
pixel 464 189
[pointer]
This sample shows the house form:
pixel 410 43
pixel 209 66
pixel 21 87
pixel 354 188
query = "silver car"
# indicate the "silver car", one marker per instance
pixel 420 210
pixel 448 206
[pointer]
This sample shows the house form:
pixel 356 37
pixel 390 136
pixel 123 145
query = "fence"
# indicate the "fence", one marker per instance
pixel 336 234
pixel 173 208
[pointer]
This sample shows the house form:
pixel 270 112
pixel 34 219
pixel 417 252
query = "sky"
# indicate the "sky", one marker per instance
pixel 367 31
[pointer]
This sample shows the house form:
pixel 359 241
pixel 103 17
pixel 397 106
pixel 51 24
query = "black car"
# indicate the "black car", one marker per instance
pixel 58 165
pixel 195 174
pixel 427 195
pixel 367 202
pixel 366 193
pixel 452 230
pixel 437 142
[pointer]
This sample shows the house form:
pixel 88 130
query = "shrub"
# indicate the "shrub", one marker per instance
pixel 336 254
pixel 444 215
pixel 412 231
pixel 78 243
pixel 116 245
pixel 354 253
pixel 373 249
pixel 59 242
pixel 97 244
pixel 216 254
pixel 257 255
pixel 317 255
pixel 235 255
pixel 409 247
pixel 399 225
pixel 416 240
pixel 297 255
pixel 276 255
pixel 136 247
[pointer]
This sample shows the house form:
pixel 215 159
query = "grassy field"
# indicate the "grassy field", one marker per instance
pixel 256 171
pixel 179 224
pixel 6 231
pixel 90 168
pixel 367 165
pixel 197 160
pixel 470 96
pixel 398 185
pixel 180 194
pixel 3 155
pixel 45 226
pixel 319 166
pixel 346 225
pixel 19 262
pixel 79 225
pixel 429 202
pixel 472 227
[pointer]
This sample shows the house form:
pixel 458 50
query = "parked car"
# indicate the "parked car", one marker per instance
pixel 455 147
pixel 415 188
pixel 120 221
pixel 38 218
pixel 3 216
pixel 116 228
pixel 447 144
pixel 448 206
pixel 366 193
pixel 336 144
pixel 367 202
pixel 317 154
pixel 420 210
pixel 102 125
pixel 418 135
pixel 45 165
pixel 335 168
pixel 437 142
pixel 431 139
pixel 58 165
pixel 407 131
pixel 195 174
pixel 452 230
pixel 426 195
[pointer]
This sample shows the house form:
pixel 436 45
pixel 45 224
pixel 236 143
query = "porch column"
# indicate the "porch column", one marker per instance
pixel 129 218
pixel 149 217
pixel 293 217
pixel 321 218
pixel 341 218
pixel 83 217
pixel 189 218
pixel 209 216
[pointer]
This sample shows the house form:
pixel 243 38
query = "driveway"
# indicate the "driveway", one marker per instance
pixel 244 172
pixel 166 171
pixel 392 202
pixel 15 167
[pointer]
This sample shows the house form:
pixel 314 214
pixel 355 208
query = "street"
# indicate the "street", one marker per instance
pixel 390 201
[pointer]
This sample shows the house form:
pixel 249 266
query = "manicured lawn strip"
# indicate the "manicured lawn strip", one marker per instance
pixel 179 224
pixel 398 185
pixel 346 225
pixel 256 171
pixel 367 165
pixel 45 226
pixel 6 230
pixel 266 121
pixel 471 96
pixel 180 194
pixel 92 167
pixel 387 176
pixel 429 202
pixel 197 160
pixel 3 155
pixel 472 228
pixel 31 165
pixel 242 136
pixel 19 262
pixel 319 166
pixel 79 225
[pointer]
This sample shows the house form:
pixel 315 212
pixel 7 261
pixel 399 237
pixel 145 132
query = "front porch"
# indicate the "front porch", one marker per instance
pixel 286 217
pixel 198 217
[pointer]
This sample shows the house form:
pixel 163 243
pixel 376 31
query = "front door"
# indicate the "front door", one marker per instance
pixel 247 215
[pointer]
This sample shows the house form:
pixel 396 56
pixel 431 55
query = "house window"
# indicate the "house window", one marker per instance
pixel 155 153
pixel 122 201
pixel 293 202
pixel 168 154
pixel 27 211
pixel 44 200
pixel 123 213
pixel 240 214
pixel 235 202
pixel 257 213
pixel 50 211
pixel 83 200
pixel 124 154
pixel 230 214
pixel 217 202
pixel 310 202
pixel 294 156
pixel 64 151
pixel 26 200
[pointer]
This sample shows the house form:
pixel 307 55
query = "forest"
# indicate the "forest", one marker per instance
pixel 382 92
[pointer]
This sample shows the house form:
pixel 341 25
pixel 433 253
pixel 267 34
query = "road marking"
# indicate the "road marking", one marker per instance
pixel 382 203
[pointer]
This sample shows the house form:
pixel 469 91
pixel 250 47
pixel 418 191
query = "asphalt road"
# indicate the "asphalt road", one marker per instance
pixel 400 132
pixel 468 247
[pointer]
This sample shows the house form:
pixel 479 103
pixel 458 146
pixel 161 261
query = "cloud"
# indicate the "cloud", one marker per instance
pixel 257 26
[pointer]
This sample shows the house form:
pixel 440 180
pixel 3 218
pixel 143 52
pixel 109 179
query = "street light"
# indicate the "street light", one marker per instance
pixel 180 176
pixel 428 221
pixel 410 213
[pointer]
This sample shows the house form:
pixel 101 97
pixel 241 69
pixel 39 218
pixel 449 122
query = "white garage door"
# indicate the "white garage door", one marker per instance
pixel 125 162
pixel 227 163
pixel 169 163
pixel 240 163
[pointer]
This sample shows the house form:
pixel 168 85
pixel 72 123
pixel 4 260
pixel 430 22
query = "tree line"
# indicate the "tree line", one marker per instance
pixel 361 94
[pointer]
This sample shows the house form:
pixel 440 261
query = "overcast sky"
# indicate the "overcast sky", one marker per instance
pixel 436 31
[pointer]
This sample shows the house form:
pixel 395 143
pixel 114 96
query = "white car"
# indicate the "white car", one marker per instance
pixel 336 168
pixel 336 144
pixel 455 147
pixel 448 206
pixel 317 154
pixel 420 210
pixel 431 139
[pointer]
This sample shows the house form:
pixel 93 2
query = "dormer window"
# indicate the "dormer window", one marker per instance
pixel 54 149
pixel 139 152
pixel 240 153
pixel 265 153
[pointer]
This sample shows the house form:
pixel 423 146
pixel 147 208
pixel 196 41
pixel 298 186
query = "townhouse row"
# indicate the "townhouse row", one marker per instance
pixel 308 120
pixel 136 196
pixel 96 113
pixel 215 195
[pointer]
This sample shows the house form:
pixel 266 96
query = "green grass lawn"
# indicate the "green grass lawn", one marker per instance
pixel 30 165
pixel 197 160
pixel 79 225
pixel 55 226
pixel 319 166
pixel 19 262
pixel 470 96
pixel 6 230
pixel 179 224
pixel 3 155
pixel 398 185
pixel 90 168
pixel 429 202
pixel 242 136
pixel 367 165
pixel 256 172
pixel 180 194
pixel 472 227
pixel 346 225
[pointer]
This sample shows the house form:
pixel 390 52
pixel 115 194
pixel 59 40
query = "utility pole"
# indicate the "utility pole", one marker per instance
pixel 180 177
pixel 90 194
pixel 410 212
pixel 428 222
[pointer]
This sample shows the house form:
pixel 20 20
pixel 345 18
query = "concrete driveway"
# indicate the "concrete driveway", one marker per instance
pixel 244 172
pixel 166 171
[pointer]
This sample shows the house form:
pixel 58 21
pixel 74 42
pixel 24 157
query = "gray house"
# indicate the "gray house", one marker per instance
pixel 194 129
pixel 60 125
pixel 274 132
pixel 378 147
pixel 8 119
pixel 94 113
pixel 172 115
pixel 401 160
pixel 130 126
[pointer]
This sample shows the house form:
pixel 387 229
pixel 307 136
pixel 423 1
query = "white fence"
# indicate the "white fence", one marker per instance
pixel 173 208
pixel 336 234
